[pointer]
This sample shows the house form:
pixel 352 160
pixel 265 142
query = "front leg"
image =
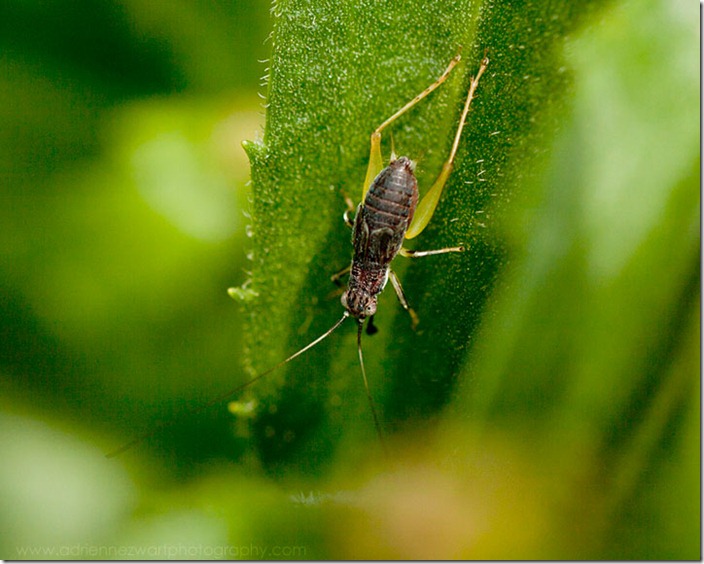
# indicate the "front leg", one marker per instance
pixel 336 277
pixel 348 216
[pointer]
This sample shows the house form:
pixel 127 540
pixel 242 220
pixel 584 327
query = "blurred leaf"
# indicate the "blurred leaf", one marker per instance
pixel 37 513
pixel 121 218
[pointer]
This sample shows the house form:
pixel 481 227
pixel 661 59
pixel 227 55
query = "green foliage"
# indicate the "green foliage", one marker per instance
pixel 566 326
pixel 547 408
pixel 331 83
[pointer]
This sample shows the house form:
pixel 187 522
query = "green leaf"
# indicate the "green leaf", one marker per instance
pixel 338 70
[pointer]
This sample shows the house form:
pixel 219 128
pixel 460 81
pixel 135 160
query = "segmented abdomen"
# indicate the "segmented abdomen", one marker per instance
pixel 383 218
pixel 392 197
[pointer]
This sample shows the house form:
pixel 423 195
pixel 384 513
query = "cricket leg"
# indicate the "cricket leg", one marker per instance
pixel 415 254
pixel 348 216
pixel 336 277
pixel 376 162
pixel 396 283
pixel 426 207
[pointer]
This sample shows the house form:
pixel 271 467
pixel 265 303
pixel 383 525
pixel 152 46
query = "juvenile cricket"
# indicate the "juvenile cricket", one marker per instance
pixel 388 213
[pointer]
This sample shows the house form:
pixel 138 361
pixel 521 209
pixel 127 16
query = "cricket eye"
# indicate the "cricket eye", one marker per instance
pixel 343 299
pixel 370 310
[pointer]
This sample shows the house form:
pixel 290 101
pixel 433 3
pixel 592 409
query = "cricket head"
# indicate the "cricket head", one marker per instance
pixel 359 302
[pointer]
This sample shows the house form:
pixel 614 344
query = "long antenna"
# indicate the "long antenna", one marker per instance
pixel 233 391
pixel 366 385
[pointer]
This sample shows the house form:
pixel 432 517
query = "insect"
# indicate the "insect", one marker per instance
pixel 388 213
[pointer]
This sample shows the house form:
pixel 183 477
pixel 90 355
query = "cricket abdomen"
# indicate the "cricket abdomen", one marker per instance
pixel 392 196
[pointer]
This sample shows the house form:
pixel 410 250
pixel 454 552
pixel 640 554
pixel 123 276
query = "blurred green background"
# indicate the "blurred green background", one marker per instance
pixel 124 192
